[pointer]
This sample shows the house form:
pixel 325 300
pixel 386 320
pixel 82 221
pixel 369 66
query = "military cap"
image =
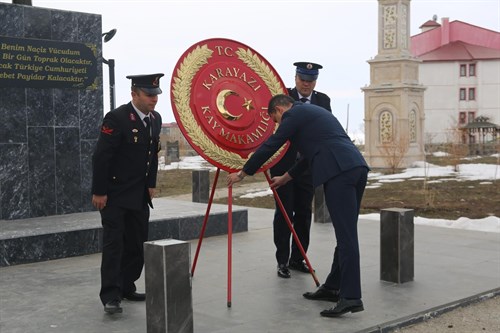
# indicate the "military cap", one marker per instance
pixel 150 83
pixel 307 71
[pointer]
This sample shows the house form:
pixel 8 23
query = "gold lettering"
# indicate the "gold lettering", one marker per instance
pixel 15 47
pixel 233 139
pixel 228 72
pixel 219 72
pixel 4 75
pixel 65 52
pixel 227 51
pixel 262 129
pixel 209 119
pixel 223 134
pixel 209 85
pixel 243 77
pixel 257 134
pixel 251 84
pixel 39 49
pixel 205 109
pixel 23 57
pixel 249 139
pixel 7 56
pixel 265 115
pixel 215 125
pixel 219 49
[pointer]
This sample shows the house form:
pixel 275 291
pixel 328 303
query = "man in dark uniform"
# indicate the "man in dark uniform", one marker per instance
pixel 336 163
pixel 125 164
pixel 297 195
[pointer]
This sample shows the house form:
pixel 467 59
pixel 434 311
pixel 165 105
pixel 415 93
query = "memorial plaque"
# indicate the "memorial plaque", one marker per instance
pixel 38 63
pixel 220 90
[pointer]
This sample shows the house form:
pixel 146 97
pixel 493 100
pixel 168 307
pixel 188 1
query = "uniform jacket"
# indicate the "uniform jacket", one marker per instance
pixel 125 160
pixel 320 139
pixel 317 98
pixel 290 157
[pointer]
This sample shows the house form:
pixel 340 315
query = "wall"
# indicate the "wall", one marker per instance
pixel 47 135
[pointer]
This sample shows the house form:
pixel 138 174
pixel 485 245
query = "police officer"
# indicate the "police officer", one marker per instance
pixel 297 195
pixel 125 164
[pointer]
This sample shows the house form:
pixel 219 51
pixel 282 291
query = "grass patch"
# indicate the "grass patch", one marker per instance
pixel 450 198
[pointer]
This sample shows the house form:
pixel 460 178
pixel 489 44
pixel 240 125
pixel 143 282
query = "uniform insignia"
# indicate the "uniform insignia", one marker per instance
pixel 135 139
pixel 132 116
pixel 106 130
pixel 135 130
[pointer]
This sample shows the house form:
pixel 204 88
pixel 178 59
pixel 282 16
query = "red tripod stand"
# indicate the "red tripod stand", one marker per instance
pixel 230 233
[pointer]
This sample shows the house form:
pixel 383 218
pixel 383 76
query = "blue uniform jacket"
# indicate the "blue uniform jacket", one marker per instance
pixel 320 139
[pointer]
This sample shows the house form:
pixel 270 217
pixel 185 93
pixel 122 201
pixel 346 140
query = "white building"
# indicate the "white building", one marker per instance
pixel 461 70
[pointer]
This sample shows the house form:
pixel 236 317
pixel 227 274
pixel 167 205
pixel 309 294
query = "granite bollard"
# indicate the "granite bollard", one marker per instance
pixel 200 185
pixel 396 245
pixel 169 303
pixel 321 213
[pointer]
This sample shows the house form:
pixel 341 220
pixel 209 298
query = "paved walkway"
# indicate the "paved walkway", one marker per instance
pixel 451 267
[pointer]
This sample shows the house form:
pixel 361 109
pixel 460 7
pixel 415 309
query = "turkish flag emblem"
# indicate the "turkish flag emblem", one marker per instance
pixel 106 130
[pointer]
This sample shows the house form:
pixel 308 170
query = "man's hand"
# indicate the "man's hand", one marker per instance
pixel 152 192
pixel 278 181
pixel 99 201
pixel 235 177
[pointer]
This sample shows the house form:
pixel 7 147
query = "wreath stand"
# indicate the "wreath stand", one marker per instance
pixel 230 233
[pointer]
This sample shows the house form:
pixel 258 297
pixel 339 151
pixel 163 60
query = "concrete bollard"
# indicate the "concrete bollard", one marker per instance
pixel 321 213
pixel 169 303
pixel 396 245
pixel 200 185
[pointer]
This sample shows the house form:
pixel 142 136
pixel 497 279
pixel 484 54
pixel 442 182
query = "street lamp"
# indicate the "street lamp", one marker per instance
pixel 111 64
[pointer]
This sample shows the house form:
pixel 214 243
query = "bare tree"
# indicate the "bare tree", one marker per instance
pixel 395 151
pixel 455 148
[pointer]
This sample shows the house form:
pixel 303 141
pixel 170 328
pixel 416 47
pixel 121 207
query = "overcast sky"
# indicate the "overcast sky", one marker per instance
pixel 340 35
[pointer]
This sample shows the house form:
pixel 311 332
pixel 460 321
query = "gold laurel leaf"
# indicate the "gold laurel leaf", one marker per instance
pixel 181 92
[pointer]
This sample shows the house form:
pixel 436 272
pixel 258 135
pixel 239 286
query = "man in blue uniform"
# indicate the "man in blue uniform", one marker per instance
pixel 125 164
pixel 297 195
pixel 336 163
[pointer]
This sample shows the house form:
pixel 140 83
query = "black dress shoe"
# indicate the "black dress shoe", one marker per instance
pixel 283 271
pixel 323 294
pixel 344 306
pixel 135 297
pixel 113 307
pixel 300 266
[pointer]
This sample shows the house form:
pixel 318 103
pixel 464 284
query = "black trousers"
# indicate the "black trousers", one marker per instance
pixel 124 233
pixel 343 195
pixel 296 196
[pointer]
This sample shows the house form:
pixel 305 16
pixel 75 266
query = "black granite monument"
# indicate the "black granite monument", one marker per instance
pixel 51 105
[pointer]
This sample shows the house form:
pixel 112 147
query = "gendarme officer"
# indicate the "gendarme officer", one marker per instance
pixel 125 164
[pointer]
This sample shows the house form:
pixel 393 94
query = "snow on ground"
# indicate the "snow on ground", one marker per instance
pixel 419 170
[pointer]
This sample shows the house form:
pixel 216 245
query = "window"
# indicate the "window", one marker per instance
pixel 463 70
pixel 472 70
pixel 462 118
pixel 471 116
pixel 462 94
pixel 472 94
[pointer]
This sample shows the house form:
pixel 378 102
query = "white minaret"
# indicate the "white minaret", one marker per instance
pixel 394 100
